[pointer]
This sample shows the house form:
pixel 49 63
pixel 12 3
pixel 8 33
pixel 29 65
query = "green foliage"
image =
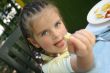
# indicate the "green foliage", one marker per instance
pixel 26 1
pixel 8 27
pixel 2 4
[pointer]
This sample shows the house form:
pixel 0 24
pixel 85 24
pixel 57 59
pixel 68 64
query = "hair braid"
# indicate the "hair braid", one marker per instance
pixel 26 13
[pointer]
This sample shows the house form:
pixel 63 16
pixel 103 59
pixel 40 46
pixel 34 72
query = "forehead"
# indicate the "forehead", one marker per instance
pixel 46 13
pixel 46 17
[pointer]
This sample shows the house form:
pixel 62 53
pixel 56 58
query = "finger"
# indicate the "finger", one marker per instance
pixel 83 39
pixel 70 47
pixel 89 35
pixel 79 46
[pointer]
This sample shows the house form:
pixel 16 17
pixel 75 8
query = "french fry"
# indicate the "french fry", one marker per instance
pixel 67 36
pixel 105 7
pixel 96 11
pixel 99 16
pixel 103 12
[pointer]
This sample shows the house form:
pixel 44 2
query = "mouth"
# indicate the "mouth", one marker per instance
pixel 60 43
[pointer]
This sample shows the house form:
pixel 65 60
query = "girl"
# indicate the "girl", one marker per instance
pixel 43 27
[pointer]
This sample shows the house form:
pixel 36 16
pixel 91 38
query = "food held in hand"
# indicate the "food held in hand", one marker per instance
pixel 67 36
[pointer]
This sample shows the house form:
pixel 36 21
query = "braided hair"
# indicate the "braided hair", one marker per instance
pixel 27 12
pixel 25 18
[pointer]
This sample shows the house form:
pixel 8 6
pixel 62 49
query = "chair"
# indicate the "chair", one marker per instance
pixel 15 53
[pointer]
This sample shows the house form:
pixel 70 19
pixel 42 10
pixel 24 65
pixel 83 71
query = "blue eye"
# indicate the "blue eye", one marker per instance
pixel 44 33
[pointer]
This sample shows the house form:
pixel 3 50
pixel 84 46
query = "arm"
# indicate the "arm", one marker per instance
pixel 81 43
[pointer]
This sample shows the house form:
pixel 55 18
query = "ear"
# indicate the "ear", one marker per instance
pixel 34 42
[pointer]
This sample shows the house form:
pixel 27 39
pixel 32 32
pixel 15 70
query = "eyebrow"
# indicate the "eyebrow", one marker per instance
pixel 57 21
pixel 40 32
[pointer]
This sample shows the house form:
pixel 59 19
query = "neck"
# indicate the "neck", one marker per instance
pixel 54 54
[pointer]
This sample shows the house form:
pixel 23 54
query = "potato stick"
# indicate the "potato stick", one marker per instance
pixel 67 36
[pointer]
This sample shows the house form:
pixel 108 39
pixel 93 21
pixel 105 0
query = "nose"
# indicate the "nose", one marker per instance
pixel 55 34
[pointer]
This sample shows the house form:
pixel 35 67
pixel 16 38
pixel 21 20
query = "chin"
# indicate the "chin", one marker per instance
pixel 63 49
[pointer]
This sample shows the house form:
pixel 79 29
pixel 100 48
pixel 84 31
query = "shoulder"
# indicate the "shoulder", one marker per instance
pixel 59 64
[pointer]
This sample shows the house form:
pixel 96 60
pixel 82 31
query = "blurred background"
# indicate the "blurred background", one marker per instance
pixel 74 13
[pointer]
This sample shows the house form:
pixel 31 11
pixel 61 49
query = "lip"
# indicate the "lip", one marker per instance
pixel 60 43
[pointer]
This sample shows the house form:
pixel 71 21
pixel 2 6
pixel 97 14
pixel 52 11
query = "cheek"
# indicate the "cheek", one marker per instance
pixel 45 43
pixel 63 30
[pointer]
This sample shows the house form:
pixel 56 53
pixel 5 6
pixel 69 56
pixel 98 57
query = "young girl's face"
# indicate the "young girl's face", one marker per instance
pixel 49 31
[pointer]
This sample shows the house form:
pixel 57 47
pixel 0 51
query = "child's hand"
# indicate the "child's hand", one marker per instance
pixel 81 43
